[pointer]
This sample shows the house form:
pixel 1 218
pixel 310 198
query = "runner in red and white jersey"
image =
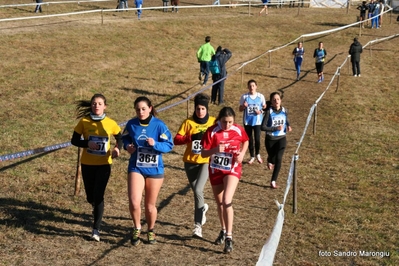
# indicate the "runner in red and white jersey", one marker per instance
pixel 226 144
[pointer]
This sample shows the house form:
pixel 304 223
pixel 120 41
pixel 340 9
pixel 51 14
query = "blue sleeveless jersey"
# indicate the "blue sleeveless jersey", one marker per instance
pixel 319 55
pixel 250 117
pixel 277 119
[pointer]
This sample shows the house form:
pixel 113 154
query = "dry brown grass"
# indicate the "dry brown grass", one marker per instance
pixel 348 171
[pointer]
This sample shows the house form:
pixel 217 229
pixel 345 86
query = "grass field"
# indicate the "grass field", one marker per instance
pixel 347 172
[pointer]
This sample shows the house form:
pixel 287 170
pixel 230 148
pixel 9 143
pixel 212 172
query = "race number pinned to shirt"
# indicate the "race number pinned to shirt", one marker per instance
pixel 147 157
pixel 196 147
pixel 221 161
pixel 102 144
pixel 252 109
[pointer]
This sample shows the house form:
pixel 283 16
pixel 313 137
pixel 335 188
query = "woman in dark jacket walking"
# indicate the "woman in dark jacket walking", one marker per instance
pixel 222 56
pixel 355 50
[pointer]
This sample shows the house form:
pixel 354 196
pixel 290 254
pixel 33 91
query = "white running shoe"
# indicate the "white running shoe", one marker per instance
pixel 251 160
pixel 95 235
pixel 259 158
pixel 206 207
pixel 197 232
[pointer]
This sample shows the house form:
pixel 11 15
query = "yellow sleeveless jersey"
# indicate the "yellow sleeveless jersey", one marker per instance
pixel 101 132
pixel 192 153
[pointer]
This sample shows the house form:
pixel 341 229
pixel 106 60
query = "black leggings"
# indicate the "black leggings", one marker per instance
pixel 275 150
pixel 256 130
pixel 95 179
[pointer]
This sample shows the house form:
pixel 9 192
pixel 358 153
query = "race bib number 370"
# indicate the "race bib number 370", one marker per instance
pixel 221 161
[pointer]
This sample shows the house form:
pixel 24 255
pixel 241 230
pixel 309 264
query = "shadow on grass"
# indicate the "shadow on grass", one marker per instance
pixel 25 160
pixel 182 95
pixel 330 24
pixel 41 219
pixel 253 184
pixel 36 25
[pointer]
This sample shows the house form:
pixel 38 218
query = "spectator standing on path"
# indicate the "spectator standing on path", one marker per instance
pixel 375 15
pixel 320 55
pixel 146 138
pixel 38 8
pixel 355 50
pixel 276 124
pixel 97 130
pixel 363 9
pixel 174 4
pixel 225 143
pixel 298 54
pixel 196 167
pixel 265 3
pixel 122 4
pixel 221 56
pixel 252 103
pixel 139 5
pixel 371 7
pixel 204 55
pixel 165 5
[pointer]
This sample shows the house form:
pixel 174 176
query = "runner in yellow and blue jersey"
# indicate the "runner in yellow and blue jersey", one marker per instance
pixel 196 166
pixel 97 130
pixel 146 138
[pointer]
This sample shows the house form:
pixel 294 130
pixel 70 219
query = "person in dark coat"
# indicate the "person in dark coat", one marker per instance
pixel 38 8
pixel 222 56
pixel 355 50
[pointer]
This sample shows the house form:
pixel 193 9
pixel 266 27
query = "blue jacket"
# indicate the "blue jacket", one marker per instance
pixel 147 160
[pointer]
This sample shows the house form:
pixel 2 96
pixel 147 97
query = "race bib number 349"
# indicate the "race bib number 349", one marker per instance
pixel 221 161
pixel 196 147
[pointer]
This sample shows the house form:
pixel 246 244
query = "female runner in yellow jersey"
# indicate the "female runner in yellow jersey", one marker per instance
pixel 190 134
pixel 96 129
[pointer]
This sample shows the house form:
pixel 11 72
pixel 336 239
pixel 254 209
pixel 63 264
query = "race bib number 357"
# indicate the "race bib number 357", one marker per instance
pixel 102 144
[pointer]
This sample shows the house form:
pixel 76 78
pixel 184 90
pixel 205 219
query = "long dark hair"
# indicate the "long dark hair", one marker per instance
pixel 275 93
pixel 148 102
pixel 226 111
pixel 83 107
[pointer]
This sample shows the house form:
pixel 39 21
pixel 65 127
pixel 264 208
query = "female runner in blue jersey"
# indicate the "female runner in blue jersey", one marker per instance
pixel 276 125
pixel 298 54
pixel 145 137
pixel 252 104
pixel 320 55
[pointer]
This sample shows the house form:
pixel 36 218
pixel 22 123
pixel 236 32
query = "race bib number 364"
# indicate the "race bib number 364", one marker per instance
pixel 147 157
pixel 221 161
